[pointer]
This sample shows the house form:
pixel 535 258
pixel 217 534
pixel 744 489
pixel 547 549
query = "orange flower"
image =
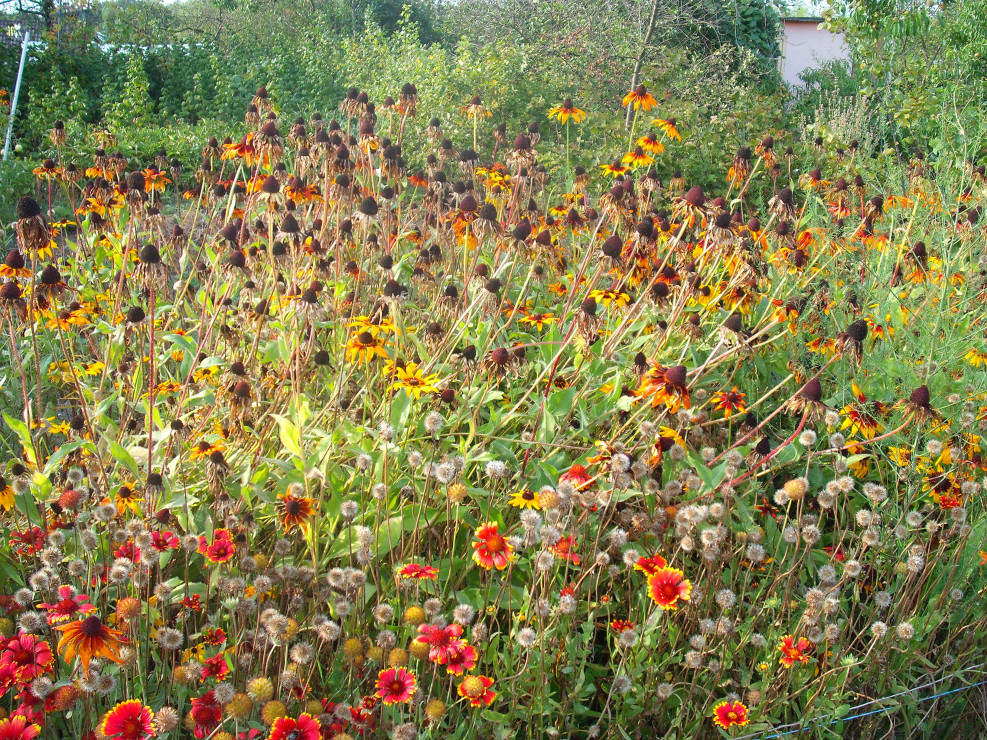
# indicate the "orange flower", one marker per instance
pixel 729 402
pixel 615 169
pixel 491 550
pixel 667 586
pixel 244 149
pixel 89 638
pixel 665 385
pixel 793 651
pixel 565 548
pixel 650 143
pixel 640 98
pixel 154 180
pixel 637 158
pixel 566 111
pixel 668 127
pixel 294 511
pixel 726 714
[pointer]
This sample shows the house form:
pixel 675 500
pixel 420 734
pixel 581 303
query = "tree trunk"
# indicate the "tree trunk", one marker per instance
pixel 639 61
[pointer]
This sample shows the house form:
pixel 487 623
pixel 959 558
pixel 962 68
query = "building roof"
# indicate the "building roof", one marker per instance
pixel 805 19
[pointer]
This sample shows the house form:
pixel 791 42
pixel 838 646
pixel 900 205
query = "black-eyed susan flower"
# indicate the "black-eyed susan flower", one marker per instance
pixel 155 181
pixel 475 108
pixel 541 321
pixel 203 449
pixel 651 144
pixel 48 170
pixel 640 98
pixel 294 511
pixel 669 127
pixel 364 347
pixel 729 402
pixel 637 158
pixel 567 111
pixel 614 169
pixel 412 380
pixel 525 499
pixel 665 386
pixel 13 266
pixel 89 638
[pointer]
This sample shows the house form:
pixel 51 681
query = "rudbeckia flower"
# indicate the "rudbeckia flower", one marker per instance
pixel 650 143
pixel 525 499
pixel 89 638
pixel 729 402
pixel 640 98
pixel 294 511
pixel 637 158
pixel 363 347
pixel 566 111
pixel 668 126
pixel 413 381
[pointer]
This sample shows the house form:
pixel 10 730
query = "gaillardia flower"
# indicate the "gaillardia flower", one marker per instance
pixel 668 586
pixel 491 549
pixel 396 685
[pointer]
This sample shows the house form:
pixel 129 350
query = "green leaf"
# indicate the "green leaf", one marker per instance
pixel 289 434
pixel 23 434
pixel 124 458
pixel 400 410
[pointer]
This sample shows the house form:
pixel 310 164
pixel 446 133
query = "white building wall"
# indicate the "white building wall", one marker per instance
pixel 804 46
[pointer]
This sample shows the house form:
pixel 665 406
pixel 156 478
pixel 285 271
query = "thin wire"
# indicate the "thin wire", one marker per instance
pixel 799 727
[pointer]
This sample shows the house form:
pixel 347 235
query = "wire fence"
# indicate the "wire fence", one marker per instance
pixel 819 722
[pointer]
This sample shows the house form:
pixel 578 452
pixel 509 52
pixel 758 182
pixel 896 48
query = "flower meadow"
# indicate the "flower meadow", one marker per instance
pixel 358 432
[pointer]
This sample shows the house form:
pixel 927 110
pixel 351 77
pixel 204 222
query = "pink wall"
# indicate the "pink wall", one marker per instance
pixel 804 45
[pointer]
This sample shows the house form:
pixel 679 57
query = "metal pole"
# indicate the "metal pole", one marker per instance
pixel 17 93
